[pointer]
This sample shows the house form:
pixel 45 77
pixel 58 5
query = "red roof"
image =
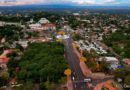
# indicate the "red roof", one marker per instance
pixel 127 61
pixel 49 25
pixel 8 51
pixel 4 60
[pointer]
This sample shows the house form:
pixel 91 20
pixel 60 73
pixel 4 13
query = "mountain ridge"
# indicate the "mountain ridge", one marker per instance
pixel 67 6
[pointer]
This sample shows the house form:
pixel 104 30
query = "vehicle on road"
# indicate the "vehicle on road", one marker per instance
pixel 87 80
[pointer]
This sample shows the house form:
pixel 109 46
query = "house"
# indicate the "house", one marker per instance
pixel 4 54
pixel 62 36
pixel 3 40
pixel 127 62
pixel 3 59
pixel 1 23
pixel 3 62
pixel 49 26
pixel 35 27
pixel 114 30
pixel 42 27
pixel 23 43
pixel 40 39
pixel 86 45
pixel 13 81
pixel 31 21
pixel 76 14
pixel 114 62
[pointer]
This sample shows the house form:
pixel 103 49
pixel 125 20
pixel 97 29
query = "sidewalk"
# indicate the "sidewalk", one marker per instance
pixel 69 83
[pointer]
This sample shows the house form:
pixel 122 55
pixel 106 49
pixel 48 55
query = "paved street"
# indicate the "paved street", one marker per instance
pixel 77 75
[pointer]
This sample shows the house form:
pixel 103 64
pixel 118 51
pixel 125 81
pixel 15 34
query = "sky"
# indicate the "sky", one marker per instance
pixel 72 2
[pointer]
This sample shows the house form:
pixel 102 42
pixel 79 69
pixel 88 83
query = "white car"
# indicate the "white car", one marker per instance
pixel 73 78
pixel 87 80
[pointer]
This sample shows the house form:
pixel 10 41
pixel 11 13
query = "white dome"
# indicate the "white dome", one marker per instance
pixel 43 21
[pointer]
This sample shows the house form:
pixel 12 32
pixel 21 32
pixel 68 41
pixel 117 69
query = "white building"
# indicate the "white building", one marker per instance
pixel 24 44
pixel 114 62
pixel 43 24
pixel 44 21
pixel 86 45
pixel 2 23
pixel 62 36
pixel 40 39
pixel 39 27
pixel 76 14
pixel 35 26
pixel 49 27
pixel 31 21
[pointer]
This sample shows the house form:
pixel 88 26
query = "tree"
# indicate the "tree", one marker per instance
pixel 77 37
pixel 119 73
pixel 40 62
pixel 49 85
pixel 104 66
pixel 127 80
pixel 11 32
pixel 90 59
pixel 5 75
pixel 127 52
pixel 2 82
pixel 4 78
pixel 119 41
pixel 62 80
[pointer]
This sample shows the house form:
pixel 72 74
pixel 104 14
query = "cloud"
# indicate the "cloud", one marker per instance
pixel 78 2
pixel 102 2
pixel 19 2
pixel 109 1
pixel 83 2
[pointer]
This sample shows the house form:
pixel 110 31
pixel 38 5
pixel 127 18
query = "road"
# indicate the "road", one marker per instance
pixel 77 75
pixel 73 60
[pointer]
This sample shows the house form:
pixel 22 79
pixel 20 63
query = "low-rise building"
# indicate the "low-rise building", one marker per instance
pixel 127 62
pixel 2 23
pixel 49 26
pixel 86 45
pixel 42 25
pixel 23 43
pixel 39 39
pixel 35 26
pixel 112 61
pixel 3 62
pixel 43 21
pixel 62 36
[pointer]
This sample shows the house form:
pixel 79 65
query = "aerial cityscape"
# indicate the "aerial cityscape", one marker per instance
pixel 64 44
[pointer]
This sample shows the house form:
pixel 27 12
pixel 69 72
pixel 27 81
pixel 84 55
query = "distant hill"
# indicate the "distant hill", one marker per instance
pixel 62 6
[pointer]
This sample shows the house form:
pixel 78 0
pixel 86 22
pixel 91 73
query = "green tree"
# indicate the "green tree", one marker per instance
pixel 127 80
pixel 40 62
pixel 49 85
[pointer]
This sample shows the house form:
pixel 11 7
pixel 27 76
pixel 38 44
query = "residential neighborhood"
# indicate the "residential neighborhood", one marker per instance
pixel 64 48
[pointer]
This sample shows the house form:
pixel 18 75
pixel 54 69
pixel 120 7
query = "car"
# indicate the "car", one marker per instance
pixel 87 80
pixel 73 78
